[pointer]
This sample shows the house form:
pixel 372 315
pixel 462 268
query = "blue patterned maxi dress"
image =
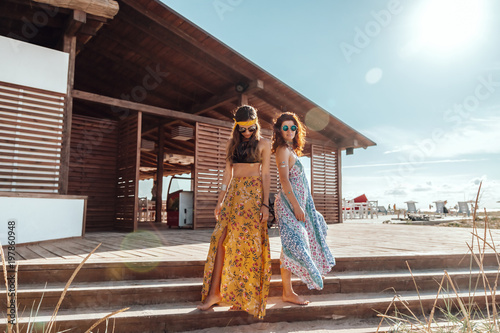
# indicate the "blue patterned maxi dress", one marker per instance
pixel 305 252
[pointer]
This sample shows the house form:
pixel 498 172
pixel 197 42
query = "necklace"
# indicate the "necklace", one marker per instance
pixel 290 146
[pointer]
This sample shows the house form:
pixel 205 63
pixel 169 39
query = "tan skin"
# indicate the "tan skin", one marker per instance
pixel 285 159
pixel 239 170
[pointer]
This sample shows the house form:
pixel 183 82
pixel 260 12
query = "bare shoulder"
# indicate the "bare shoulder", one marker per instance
pixel 282 151
pixel 264 143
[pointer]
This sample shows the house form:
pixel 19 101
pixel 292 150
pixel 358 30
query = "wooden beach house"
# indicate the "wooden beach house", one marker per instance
pixel 97 95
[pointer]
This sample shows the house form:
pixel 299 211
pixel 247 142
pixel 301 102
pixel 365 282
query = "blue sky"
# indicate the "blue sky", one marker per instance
pixel 421 78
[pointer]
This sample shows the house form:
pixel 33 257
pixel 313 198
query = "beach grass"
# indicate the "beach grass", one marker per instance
pixel 457 315
pixel 13 325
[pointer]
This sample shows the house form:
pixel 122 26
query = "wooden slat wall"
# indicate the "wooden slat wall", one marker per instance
pixel 210 162
pixel 325 181
pixel 128 161
pixel 92 169
pixel 30 138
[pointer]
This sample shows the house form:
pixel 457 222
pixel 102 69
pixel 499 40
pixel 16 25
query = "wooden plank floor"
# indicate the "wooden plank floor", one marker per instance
pixel 345 240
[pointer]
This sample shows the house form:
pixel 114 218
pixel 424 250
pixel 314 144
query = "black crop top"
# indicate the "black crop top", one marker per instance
pixel 242 153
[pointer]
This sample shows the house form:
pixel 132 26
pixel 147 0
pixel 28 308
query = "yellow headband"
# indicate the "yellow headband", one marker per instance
pixel 244 123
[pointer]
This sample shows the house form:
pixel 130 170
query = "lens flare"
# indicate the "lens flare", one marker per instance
pixel 317 119
pixel 134 241
pixel 373 75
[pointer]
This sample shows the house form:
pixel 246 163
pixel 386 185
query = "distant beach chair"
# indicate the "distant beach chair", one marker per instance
pixel 382 209
pixel 348 209
pixel 439 206
pixel 412 208
pixel 360 206
pixel 373 208
pixel 463 208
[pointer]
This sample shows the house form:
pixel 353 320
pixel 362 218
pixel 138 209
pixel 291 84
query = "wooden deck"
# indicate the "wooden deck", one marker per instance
pixel 163 244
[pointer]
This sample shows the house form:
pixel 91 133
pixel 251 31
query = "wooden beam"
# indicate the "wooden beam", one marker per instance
pixel 169 38
pixel 127 105
pixel 243 99
pixel 356 141
pixel 215 101
pixel 133 79
pixel 75 22
pixel 69 47
pixel 192 43
pixel 104 8
pixel 230 95
pixel 157 58
pixel 101 82
pixel 140 73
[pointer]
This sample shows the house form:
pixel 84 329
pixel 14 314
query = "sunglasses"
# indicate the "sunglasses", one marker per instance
pixel 251 129
pixel 293 128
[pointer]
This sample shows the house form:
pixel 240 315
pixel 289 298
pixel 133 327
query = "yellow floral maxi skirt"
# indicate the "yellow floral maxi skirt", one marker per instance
pixel 246 272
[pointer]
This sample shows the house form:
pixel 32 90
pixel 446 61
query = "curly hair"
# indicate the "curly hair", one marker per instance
pixel 243 113
pixel 299 140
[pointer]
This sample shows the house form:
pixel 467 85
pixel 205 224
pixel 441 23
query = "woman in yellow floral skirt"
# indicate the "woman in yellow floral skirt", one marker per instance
pixel 238 267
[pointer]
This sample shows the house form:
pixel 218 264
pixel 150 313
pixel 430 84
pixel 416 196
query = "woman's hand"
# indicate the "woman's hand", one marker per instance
pixel 299 213
pixel 217 211
pixel 264 214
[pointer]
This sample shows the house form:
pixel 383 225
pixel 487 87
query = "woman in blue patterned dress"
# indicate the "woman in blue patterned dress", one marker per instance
pixel 305 252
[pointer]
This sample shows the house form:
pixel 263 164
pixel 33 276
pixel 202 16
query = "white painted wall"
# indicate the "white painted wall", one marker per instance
pixel 34 66
pixel 40 219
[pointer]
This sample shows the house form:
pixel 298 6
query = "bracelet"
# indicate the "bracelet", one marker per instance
pixel 265 205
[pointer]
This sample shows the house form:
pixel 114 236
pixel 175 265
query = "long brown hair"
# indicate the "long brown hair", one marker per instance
pixel 243 113
pixel 299 140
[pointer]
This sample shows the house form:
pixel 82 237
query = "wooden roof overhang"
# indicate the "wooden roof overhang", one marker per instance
pixel 149 58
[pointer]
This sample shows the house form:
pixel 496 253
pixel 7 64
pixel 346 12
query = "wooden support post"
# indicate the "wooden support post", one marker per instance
pixel 135 217
pixel 159 172
pixel 243 99
pixel 75 22
pixel 193 170
pixel 339 184
pixel 69 47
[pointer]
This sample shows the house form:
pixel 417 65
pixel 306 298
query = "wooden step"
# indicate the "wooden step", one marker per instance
pixel 40 271
pixel 175 317
pixel 145 292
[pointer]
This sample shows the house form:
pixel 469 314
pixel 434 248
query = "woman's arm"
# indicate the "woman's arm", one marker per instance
pixel 282 158
pixel 266 177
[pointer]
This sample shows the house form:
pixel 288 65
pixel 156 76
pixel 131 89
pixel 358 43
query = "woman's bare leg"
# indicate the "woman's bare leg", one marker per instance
pixel 214 295
pixel 288 294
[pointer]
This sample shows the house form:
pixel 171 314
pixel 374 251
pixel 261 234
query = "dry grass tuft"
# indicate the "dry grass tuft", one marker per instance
pixel 458 315
pixel 51 326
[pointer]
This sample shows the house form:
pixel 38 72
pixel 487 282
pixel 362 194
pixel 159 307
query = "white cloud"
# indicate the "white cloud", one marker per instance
pixel 478 136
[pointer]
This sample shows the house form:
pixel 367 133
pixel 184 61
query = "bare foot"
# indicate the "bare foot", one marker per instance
pixel 295 299
pixel 209 301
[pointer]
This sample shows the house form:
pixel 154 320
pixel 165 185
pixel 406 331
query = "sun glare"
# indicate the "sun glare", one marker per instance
pixel 445 26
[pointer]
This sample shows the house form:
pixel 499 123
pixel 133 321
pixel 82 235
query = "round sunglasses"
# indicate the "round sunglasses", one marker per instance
pixel 293 128
pixel 251 129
